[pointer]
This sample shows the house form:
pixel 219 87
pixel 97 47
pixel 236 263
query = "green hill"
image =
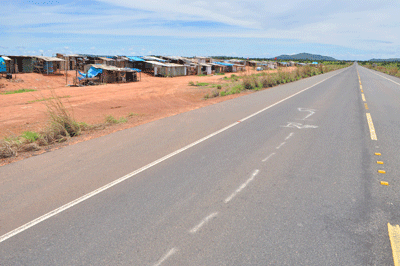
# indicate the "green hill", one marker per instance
pixel 385 60
pixel 305 56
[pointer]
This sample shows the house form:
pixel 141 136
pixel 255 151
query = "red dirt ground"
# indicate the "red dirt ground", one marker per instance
pixel 149 99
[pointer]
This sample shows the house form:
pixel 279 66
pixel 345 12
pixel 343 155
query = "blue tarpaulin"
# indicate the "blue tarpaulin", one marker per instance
pixel 223 64
pixel 93 72
pixel 136 69
pixel 2 65
pixel 135 59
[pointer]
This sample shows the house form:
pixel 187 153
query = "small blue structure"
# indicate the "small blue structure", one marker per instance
pixel 3 67
pixel 314 63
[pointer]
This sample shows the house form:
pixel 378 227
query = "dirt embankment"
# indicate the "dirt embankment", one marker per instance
pixel 144 101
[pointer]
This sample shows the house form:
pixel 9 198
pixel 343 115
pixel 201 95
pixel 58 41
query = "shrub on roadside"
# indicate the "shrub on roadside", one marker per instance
pixel 30 136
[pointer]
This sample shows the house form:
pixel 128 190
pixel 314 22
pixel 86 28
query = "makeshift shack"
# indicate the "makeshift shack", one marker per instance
pixel 227 67
pixel 205 69
pixel 21 64
pixel 217 68
pixel 48 65
pixel 139 63
pixel 238 68
pixel 112 74
pixel 167 70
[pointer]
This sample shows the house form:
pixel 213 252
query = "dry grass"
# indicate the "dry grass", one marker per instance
pixel 62 124
pixel 8 149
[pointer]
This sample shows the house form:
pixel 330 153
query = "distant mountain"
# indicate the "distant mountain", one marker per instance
pixel 386 60
pixel 305 56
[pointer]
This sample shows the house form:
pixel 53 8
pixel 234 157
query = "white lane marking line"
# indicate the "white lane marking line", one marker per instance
pixel 228 199
pixel 166 256
pixel 280 145
pixel 121 179
pixel 311 111
pixel 203 222
pixel 290 135
pixel 266 159
pixel 385 77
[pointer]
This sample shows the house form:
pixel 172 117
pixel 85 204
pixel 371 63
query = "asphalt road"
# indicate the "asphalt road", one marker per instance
pixel 295 184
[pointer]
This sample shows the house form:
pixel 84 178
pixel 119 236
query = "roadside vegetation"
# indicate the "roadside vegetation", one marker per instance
pixel 16 91
pixel 61 126
pixel 265 80
pixel 199 84
pixel 390 68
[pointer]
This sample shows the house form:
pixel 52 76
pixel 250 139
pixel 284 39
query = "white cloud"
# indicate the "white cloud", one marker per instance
pixel 372 25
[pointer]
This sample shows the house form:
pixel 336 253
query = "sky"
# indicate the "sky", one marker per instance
pixel 345 30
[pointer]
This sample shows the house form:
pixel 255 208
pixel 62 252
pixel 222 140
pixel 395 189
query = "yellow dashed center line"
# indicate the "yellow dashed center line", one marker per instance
pixel 371 127
pixel 363 97
pixel 366 106
pixel 361 87
pixel 394 235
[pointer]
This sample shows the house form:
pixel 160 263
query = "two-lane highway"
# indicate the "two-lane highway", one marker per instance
pixel 289 176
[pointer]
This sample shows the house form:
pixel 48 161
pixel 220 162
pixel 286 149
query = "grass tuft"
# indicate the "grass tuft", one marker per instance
pixel 17 91
pixel 112 120
pixel 30 136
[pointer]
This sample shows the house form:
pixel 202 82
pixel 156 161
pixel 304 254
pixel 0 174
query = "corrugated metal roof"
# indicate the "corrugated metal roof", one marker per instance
pixel 113 68
pixel 49 59
pixel 106 59
pixel 152 58
pixel 156 63
pixel 164 64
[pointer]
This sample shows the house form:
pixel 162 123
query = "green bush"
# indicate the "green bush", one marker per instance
pixel 30 136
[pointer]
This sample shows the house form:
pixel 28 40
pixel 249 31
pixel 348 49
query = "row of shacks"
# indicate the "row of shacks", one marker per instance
pixel 163 66
pixel 109 69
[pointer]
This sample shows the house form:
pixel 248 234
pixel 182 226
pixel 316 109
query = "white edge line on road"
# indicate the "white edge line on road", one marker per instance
pixel 166 256
pixel 237 191
pixel 383 77
pixel 203 222
pixel 121 179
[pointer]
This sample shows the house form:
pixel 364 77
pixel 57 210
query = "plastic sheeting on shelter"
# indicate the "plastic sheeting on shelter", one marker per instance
pixel 92 72
pixel 3 67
